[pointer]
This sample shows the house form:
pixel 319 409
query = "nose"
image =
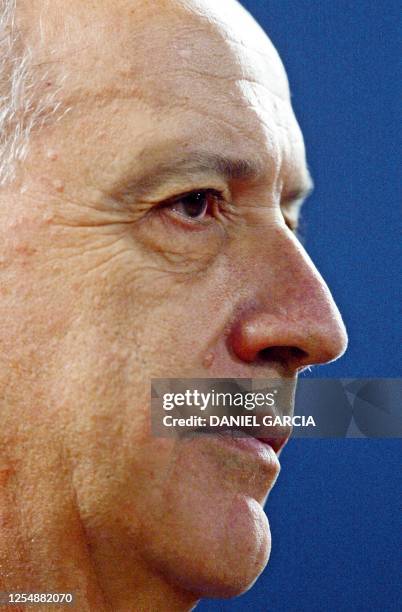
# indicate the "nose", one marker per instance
pixel 289 317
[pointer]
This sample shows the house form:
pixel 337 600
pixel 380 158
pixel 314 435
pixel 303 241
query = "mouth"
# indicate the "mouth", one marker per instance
pixel 276 443
pixel 250 462
pixel 261 445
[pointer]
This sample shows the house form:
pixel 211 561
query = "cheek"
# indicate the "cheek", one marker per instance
pixel 160 323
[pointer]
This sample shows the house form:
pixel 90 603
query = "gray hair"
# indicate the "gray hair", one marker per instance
pixel 23 106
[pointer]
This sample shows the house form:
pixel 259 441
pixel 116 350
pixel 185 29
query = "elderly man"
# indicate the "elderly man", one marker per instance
pixel 151 176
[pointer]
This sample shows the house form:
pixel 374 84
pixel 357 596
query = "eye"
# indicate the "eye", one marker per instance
pixel 195 205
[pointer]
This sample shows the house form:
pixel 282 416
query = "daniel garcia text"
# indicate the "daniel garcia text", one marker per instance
pixel 244 420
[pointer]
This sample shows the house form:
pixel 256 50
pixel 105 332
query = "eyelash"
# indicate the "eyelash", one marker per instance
pixel 218 206
pixel 214 208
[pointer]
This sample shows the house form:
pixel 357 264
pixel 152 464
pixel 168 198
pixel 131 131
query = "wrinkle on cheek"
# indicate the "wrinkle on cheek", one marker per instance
pixel 184 251
pixel 183 261
pixel 93 261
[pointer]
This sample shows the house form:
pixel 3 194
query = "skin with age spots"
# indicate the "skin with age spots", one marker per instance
pixel 148 234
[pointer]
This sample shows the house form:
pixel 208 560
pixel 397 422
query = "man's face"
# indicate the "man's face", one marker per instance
pixel 148 236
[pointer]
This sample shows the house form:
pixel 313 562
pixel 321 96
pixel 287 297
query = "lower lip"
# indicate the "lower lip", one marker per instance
pixel 253 446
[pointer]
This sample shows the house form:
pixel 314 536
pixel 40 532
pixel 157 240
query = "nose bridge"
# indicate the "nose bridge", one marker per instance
pixel 284 278
pixel 289 304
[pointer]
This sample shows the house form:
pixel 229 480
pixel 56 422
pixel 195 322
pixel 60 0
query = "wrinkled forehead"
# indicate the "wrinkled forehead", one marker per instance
pixel 102 43
pixel 203 57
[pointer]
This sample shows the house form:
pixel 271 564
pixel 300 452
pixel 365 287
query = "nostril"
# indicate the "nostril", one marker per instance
pixel 282 354
pixel 298 353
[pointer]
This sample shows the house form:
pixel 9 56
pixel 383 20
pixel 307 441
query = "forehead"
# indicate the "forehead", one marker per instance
pixel 193 65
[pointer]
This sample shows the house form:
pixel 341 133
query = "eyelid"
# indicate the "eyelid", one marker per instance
pixel 216 192
pixel 164 208
pixel 176 188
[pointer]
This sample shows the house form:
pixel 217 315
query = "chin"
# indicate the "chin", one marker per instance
pixel 220 557
pixel 242 556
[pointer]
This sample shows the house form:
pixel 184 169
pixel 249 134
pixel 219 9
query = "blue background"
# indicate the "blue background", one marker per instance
pixel 335 511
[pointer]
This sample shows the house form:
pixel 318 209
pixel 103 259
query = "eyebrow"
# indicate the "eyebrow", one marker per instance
pixel 201 162
pixel 196 162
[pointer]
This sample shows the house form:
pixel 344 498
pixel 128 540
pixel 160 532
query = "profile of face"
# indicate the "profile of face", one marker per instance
pixel 149 233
